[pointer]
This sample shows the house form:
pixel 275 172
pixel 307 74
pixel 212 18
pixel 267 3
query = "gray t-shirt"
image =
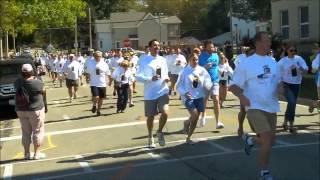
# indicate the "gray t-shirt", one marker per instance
pixel 34 88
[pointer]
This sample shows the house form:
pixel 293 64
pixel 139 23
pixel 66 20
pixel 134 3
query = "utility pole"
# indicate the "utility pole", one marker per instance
pixel 1 49
pixel 90 35
pixel 230 15
pixel 14 41
pixel 76 37
pixel 7 45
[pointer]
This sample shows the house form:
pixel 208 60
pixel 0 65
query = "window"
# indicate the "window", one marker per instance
pixel 101 45
pixel 284 24
pixel 118 45
pixel 173 30
pixel 304 22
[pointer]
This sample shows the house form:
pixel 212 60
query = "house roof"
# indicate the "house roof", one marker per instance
pixel 134 19
pixel 102 26
pixel 190 40
pixel 126 19
pixel 170 20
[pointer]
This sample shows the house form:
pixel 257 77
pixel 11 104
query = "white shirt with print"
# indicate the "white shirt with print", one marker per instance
pixel 102 68
pixel 177 63
pixel 147 69
pixel 59 65
pixel 258 77
pixel 227 71
pixel 185 82
pixel 122 76
pixel 72 69
pixel 286 67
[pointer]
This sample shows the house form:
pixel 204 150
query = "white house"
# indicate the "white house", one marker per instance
pixel 103 35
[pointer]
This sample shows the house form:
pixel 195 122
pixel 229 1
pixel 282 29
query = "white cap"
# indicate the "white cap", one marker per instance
pixel 71 55
pixel 26 68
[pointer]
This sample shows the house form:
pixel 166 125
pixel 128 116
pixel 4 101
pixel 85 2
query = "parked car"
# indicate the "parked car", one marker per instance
pixel 10 70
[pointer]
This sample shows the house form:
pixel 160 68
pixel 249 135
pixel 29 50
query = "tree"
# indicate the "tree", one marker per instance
pixel 252 9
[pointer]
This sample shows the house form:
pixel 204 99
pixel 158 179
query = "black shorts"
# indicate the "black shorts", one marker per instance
pixel 173 78
pixel 98 91
pixel 71 83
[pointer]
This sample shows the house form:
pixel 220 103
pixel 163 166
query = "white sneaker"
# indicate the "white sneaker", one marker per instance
pixel 151 143
pixel 161 140
pixel 219 125
pixel 202 121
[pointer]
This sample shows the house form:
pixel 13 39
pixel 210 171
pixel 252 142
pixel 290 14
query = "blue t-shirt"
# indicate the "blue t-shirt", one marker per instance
pixel 206 58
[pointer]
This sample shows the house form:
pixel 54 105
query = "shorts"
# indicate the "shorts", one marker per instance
pixel 153 107
pixel 173 78
pixel 262 121
pixel 195 104
pixel 214 90
pixel 223 82
pixel 98 91
pixel 72 83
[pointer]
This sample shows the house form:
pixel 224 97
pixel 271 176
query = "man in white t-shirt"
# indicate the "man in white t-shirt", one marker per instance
pixel 82 62
pixel 177 63
pixel 72 71
pixel 256 83
pixel 153 73
pixel 100 74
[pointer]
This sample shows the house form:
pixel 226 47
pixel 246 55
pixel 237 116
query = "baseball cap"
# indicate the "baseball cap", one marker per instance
pixel 26 68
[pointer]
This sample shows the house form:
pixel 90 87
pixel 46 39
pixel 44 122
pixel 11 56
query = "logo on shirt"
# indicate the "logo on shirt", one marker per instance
pixel 266 72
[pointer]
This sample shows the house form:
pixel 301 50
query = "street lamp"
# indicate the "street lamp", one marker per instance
pixel 236 25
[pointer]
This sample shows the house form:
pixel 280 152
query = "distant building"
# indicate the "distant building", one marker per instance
pixel 103 39
pixel 137 27
pixel 297 21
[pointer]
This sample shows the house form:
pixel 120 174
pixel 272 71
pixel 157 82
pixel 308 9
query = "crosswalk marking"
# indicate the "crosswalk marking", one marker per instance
pixel 7 175
pixel 83 164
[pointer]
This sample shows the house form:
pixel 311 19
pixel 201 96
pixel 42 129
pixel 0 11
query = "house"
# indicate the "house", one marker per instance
pixel 141 27
pixel 103 39
pixel 297 21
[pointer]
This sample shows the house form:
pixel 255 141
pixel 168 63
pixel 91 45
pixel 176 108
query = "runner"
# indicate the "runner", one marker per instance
pixel 256 82
pixel 191 85
pixel 122 77
pixel 210 60
pixel 99 74
pixel 153 72
pixel 72 71
pixel 316 70
pixel 59 68
pixel 291 67
pixel 178 62
pixel 225 71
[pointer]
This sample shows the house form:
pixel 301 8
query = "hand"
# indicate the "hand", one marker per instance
pixel 208 66
pixel 155 78
pixel 188 95
pixel 167 80
pixel 244 100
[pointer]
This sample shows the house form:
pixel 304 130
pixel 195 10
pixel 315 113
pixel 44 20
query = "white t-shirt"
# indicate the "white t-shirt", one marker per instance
pixel 225 71
pixel 72 70
pixel 114 62
pixel 59 65
pixel 147 69
pixel 186 79
pixel 176 63
pixel 170 59
pixel 258 77
pixel 239 59
pixel 98 73
pixel 289 68
pixel 122 76
pixel 315 68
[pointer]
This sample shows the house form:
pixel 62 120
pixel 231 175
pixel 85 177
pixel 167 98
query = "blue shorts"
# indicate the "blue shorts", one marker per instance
pixel 195 104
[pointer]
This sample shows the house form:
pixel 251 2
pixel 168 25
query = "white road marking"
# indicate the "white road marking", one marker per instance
pixel 206 140
pixel 282 142
pixel 110 126
pixel 83 164
pixel 308 132
pixel 7 174
pixel 156 156
pixel 65 117
pixel 168 161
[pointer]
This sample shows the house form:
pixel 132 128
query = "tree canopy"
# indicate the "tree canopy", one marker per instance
pixel 25 16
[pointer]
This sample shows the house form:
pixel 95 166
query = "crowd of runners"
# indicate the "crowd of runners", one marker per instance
pixel 196 76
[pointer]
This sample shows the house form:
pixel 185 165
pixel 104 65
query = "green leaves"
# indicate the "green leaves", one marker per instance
pixel 26 15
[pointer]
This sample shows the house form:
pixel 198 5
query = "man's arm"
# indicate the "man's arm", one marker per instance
pixel 237 91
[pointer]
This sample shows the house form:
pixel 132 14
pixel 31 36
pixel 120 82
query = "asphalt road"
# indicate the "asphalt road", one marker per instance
pixel 80 145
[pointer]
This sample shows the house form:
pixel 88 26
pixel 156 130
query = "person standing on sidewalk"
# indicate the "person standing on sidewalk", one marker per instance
pixel 209 59
pixel 291 68
pixel 99 75
pixel 191 85
pixel 257 82
pixel 153 73
pixel 72 71
pixel 31 107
